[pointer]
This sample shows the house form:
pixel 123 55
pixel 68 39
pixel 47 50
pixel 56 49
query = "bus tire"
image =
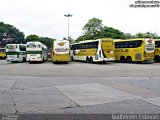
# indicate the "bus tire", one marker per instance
pixel 157 58
pixel 129 59
pixel 87 59
pixel 91 60
pixel 122 59
pixel 24 59
pixel 103 62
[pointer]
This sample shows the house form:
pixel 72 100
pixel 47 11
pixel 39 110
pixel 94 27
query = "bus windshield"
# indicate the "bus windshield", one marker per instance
pixel 32 45
pixel 150 45
pixel 11 46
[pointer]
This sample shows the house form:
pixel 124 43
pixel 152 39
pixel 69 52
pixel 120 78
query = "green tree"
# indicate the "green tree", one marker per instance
pixel 93 26
pixel 109 32
pixel 139 35
pixel 10 34
pixel 91 29
pixel 45 40
pixel 147 35
pixel 128 36
pixel 32 37
pixel 94 29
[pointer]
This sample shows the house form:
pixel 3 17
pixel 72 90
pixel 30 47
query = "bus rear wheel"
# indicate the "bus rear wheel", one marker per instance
pixel 24 59
pixel 122 59
pixel 91 60
pixel 129 59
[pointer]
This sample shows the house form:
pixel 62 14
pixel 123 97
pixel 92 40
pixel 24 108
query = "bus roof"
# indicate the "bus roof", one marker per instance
pixel 34 42
pixel 86 41
pixel 119 40
pixel 157 39
pixel 15 44
pixel 37 42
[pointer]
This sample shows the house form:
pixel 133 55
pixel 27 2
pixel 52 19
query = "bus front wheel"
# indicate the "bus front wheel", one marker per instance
pixel 122 59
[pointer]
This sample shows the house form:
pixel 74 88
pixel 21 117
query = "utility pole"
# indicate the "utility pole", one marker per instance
pixel 68 15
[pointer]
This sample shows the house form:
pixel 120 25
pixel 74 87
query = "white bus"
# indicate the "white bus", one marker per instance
pixel 36 51
pixel 61 51
pixel 100 50
pixel 16 52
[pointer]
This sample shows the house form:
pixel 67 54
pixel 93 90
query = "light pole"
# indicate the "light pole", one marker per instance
pixel 68 15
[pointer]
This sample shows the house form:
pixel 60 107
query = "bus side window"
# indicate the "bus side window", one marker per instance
pixel 78 46
pixel 22 47
pixel 122 44
pixel 131 45
pixel 75 47
pixel 139 43
pixel 127 44
pixel 157 43
pixel 96 44
pixel 117 45
pixel 72 47
pixel 85 46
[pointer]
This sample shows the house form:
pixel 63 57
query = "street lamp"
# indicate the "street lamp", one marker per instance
pixel 68 15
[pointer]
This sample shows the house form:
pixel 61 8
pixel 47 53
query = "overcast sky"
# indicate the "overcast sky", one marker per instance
pixel 46 17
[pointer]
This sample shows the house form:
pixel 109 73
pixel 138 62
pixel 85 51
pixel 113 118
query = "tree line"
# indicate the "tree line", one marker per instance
pixel 10 34
pixel 93 29
pixel 45 40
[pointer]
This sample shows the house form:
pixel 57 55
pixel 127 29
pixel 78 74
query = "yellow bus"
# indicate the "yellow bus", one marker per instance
pixel 2 53
pixel 61 51
pixel 157 50
pixel 100 50
pixel 134 50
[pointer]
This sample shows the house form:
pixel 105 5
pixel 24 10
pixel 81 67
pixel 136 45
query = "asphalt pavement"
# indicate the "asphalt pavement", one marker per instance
pixel 79 88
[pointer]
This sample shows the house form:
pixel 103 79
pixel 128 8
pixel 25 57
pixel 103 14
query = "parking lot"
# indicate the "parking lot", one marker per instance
pixel 79 69
pixel 79 87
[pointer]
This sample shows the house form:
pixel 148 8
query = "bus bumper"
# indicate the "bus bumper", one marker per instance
pixel 34 59
pixel 14 60
pixel 61 60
